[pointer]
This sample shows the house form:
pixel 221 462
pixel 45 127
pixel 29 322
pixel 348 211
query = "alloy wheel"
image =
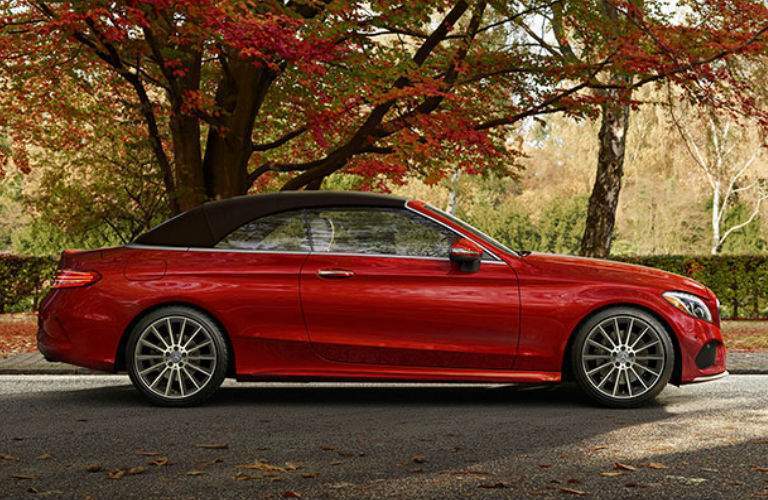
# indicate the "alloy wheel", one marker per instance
pixel 175 357
pixel 623 357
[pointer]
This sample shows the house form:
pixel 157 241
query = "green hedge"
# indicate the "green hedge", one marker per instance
pixel 741 282
pixel 23 281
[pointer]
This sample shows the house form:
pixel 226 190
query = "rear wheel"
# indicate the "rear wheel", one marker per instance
pixel 177 356
pixel 622 357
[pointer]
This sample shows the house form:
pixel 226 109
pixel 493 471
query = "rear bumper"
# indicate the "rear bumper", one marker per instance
pixel 65 334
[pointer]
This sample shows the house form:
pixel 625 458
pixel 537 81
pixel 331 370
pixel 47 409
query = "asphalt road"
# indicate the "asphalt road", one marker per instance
pixel 74 437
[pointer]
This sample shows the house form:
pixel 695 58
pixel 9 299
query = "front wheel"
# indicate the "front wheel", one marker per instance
pixel 622 357
pixel 177 356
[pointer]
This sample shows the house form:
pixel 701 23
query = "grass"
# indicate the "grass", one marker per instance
pixel 17 334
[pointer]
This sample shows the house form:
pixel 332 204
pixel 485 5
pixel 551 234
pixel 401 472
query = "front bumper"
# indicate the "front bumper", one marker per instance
pixel 710 378
pixel 702 352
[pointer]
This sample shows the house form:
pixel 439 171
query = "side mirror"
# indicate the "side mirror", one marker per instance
pixel 467 254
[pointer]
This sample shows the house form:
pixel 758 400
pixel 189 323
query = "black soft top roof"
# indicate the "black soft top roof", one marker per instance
pixel 206 225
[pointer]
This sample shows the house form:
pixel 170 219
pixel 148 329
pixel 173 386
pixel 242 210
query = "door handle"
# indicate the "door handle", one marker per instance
pixel 335 273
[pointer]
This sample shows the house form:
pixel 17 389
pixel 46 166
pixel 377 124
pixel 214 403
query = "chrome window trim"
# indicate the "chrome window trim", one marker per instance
pixel 287 252
pixel 472 239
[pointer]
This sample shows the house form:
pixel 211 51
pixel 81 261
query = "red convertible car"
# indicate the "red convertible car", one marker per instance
pixel 352 286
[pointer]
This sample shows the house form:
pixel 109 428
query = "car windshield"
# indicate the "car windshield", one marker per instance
pixel 472 230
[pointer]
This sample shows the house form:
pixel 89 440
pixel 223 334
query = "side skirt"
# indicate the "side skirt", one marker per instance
pixel 400 375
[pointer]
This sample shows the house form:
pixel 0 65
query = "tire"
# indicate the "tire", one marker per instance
pixel 634 363
pixel 177 356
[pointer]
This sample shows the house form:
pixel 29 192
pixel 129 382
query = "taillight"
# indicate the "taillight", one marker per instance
pixel 67 278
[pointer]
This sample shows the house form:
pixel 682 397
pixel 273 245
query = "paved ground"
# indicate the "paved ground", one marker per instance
pixel 352 441
pixel 34 363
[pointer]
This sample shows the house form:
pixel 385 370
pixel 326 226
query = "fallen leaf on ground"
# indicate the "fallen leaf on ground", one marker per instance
pixel 419 458
pixel 573 491
pixel 687 480
pixel 268 467
pixel 146 453
pixel 45 456
pixel 341 485
pixel 93 468
pixel 467 472
pixel 116 474
pixel 134 471
pixel 9 458
pixel 291 494
pixel 241 476
pixel 621 466
pixel 495 486
pixel 23 476
pixel 310 475
pixel 160 461
pixel 212 462
pixel 612 473
pixel 196 472
pixel 655 465
pixel 213 446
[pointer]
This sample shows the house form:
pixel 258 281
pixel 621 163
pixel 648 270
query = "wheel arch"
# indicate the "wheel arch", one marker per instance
pixel 566 368
pixel 121 348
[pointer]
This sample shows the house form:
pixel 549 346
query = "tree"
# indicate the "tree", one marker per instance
pixel 723 151
pixel 645 35
pixel 240 94
pixel 274 88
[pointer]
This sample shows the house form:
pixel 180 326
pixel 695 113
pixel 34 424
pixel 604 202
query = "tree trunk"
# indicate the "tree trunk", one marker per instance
pixel 190 187
pixel 229 147
pixel 715 219
pixel 453 193
pixel 601 214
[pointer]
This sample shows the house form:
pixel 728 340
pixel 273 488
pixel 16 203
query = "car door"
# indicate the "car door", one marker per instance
pixel 379 289
pixel 250 280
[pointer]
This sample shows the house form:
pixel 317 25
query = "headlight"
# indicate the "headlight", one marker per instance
pixel 690 304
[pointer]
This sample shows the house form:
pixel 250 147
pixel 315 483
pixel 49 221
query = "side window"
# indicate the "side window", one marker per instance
pixel 379 231
pixel 284 232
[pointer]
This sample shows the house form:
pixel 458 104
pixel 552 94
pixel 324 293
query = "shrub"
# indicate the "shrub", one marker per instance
pixel 23 281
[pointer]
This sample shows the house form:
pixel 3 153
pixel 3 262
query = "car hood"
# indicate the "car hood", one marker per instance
pixel 609 271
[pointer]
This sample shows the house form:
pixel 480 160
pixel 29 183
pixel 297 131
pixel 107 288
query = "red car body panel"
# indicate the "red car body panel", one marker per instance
pixel 393 318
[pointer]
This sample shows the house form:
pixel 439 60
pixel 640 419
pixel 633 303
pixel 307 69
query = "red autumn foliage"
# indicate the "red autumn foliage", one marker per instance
pixel 289 93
